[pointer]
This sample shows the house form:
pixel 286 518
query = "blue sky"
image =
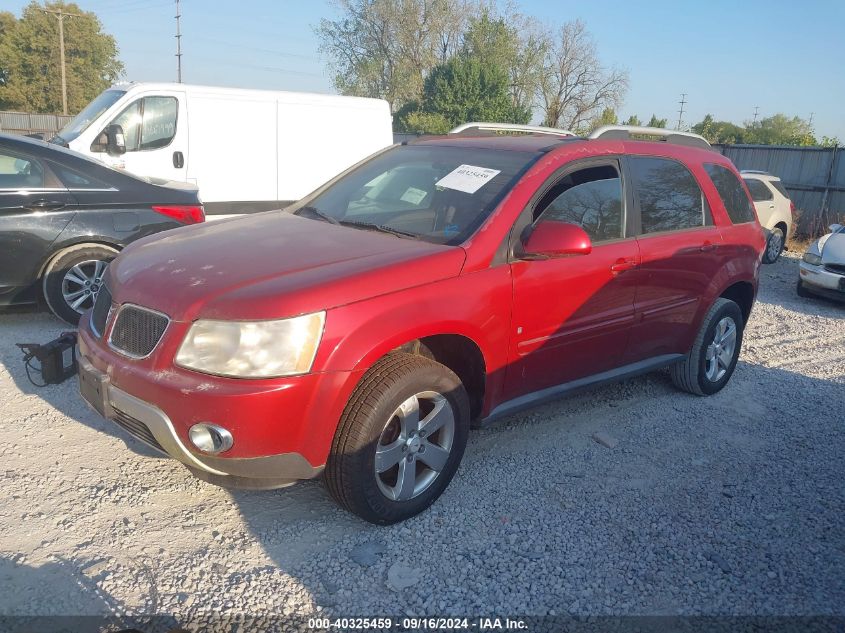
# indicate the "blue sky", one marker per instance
pixel 728 56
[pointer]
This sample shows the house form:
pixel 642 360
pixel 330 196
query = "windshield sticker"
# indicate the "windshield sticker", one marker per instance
pixel 467 178
pixel 413 195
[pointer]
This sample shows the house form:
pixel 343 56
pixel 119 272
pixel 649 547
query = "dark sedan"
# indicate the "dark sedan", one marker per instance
pixel 64 217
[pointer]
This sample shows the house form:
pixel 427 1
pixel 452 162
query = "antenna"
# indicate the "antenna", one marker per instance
pixel 178 44
pixel 683 102
pixel 756 111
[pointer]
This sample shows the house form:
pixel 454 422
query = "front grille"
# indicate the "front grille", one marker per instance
pixel 839 269
pixel 136 428
pixel 136 331
pixel 100 313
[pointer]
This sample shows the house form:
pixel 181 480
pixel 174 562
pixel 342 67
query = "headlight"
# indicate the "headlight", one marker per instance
pixel 812 259
pixel 253 349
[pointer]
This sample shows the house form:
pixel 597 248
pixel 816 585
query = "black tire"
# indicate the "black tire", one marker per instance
pixel 772 252
pixel 350 473
pixel 54 277
pixel 691 373
pixel 802 292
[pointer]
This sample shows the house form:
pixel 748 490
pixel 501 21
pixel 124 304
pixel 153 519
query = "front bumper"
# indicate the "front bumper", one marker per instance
pixel 152 426
pixel 818 280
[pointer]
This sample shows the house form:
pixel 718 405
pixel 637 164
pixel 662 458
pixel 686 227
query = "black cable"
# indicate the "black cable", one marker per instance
pixel 28 365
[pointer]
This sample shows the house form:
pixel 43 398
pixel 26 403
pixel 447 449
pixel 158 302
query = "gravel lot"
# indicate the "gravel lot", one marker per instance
pixel 732 504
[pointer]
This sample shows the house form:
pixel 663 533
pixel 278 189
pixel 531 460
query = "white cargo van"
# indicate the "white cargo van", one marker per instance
pixel 246 150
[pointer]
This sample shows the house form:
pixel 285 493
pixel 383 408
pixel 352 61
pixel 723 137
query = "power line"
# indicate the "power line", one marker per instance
pixel 178 45
pixel 683 102
pixel 60 16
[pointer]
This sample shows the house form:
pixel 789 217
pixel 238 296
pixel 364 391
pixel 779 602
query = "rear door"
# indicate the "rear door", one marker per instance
pixel 34 208
pixel 155 128
pixel 679 251
pixel 572 315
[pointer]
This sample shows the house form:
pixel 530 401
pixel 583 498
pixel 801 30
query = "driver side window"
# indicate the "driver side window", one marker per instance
pixel 590 198
pixel 148 123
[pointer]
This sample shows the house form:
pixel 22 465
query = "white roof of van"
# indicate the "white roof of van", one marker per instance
pixel 305 97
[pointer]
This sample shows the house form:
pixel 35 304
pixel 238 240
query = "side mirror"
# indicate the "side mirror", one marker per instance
pixel 115 140
pixel 557 239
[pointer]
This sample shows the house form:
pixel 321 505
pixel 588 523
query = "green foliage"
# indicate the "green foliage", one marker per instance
pixel 607 117
pixel 775 130
pixel 30 72
pixel 463 89
pixel 632 120
pixel 655 122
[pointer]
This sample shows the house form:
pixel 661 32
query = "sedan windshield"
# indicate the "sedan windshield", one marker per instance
pixel 81 121
pixel 435 193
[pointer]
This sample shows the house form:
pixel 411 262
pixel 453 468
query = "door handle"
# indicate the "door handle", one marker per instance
pixel 621 265
pixel 707 247
pixel 44 205
pixel 178 160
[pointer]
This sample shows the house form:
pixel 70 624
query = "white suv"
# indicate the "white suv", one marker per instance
pixel 774 210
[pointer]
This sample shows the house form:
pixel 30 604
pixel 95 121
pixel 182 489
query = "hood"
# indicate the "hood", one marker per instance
pixel 271 265
pixel 833 248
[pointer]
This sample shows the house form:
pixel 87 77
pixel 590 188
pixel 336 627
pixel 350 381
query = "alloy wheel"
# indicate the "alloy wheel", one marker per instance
pixel 774 246
pixel 82 283
pixel 720 352
pixel 414 446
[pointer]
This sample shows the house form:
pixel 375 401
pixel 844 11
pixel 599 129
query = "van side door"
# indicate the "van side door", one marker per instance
pixel 155 130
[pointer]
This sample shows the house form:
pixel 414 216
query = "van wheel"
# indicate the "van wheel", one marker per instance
pixel 774 246
pixel 73 278
pixel 710 363
pixel 400 439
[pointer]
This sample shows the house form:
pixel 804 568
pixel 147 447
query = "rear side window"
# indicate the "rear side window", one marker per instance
pixel 733 195
pixel 74 180
pixel 669 196
pixel 777 184
pixel 23 172
pixel 759 191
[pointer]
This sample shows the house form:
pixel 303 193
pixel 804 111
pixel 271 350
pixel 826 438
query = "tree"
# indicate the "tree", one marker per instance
pixel 460 90
pixel 780 129
pixel 655 122
pixel 385 48
pixel 574 86
pixel 30 72
pixel 516 44
pixel 632 120
pixel 607 117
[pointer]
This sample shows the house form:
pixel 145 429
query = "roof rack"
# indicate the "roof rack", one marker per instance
pixel 624 132
pixel 511 127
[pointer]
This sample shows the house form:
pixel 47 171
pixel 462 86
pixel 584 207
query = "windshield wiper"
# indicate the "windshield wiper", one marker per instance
pixel 369 226
pixel 318 214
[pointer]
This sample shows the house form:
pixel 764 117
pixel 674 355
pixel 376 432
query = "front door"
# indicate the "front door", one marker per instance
pixel 572 315
pixel 155 128
pixel 34 208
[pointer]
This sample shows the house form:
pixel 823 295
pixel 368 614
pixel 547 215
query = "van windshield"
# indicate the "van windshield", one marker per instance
pixel 436 193
pixel 89 114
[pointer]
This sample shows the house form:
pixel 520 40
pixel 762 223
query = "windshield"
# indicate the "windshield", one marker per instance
pixel 436 193
pixel 81 121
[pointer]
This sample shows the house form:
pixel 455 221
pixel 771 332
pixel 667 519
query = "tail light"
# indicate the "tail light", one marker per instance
pixel 186 214
pixel 792 208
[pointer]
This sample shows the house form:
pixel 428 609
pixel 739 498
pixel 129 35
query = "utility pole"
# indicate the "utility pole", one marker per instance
pixel 178 44
pixel 683 102
pixel 756 111
pixel 60 16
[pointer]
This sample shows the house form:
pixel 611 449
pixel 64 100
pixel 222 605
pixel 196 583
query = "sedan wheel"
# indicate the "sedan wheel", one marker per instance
pixel 82 283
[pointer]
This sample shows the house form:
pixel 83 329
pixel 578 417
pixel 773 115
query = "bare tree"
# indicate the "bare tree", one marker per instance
pixel 574 86
pixel 385 48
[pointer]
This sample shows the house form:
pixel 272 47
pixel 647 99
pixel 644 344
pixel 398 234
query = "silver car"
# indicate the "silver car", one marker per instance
pixel 822 269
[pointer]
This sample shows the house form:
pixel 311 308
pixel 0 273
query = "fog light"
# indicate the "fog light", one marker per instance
pixel 210 438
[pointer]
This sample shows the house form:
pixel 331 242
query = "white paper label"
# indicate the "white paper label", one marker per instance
pixel 413 195
pixel 467 178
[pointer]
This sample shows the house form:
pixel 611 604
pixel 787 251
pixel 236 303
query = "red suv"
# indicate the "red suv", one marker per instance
pixel 437 285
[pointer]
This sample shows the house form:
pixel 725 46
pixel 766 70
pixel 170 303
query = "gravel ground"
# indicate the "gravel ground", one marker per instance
pixel 732 504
